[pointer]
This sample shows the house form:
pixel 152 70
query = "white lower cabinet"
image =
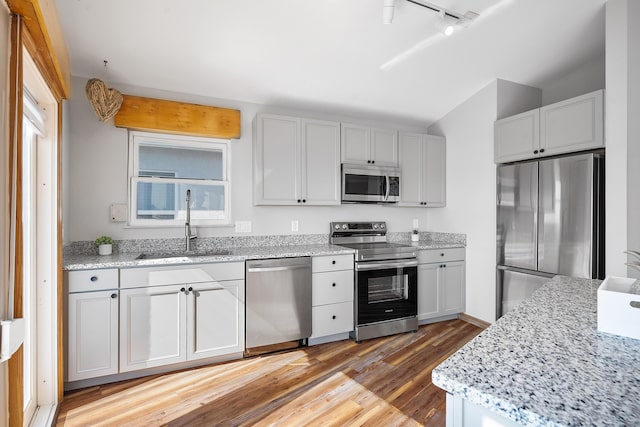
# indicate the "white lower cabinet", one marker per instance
pixel 93 335
pixel 441 282
pixel 332 295
pixel 161 325
pixel 145 320
pixel 92 323
pixel 215 319
pixel 152 327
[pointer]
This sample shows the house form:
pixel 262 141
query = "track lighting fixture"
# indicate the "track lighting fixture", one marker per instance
pixel 450 20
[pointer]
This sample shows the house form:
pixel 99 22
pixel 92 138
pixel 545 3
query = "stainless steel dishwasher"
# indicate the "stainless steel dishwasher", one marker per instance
pixel 278 304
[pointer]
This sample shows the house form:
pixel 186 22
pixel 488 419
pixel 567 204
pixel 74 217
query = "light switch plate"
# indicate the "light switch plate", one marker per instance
pixel 118 212
pixel 294 225
pixel 243 226
pixel 416 223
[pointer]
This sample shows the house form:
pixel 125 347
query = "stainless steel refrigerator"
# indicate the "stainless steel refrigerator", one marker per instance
pixel 550 221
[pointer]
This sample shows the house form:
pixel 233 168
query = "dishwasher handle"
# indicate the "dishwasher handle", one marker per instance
pixel 270 269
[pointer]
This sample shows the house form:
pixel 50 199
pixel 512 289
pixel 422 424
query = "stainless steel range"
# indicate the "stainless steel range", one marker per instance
pixel 386 279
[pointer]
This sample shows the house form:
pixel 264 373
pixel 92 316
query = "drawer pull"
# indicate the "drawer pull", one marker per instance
pixel 441 253
pixel 94 278
pixel 114 296
pixel 333 284
pixel 333 262
pixel 333 317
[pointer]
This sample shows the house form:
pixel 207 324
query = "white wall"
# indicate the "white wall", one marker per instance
pixel 4 197
pixel 633 131
pixel 471 183
pixel 616 122
pixel 95 175
pixel 471 189
pixel 585 78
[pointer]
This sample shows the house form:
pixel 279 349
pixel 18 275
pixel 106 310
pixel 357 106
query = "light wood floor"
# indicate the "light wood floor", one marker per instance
pixel 384 381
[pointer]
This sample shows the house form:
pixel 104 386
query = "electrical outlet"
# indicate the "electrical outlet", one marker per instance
pixel 243 226
pixel 294 225
pixel 416 224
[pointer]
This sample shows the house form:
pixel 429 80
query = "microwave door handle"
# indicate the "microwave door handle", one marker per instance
pixel 386 193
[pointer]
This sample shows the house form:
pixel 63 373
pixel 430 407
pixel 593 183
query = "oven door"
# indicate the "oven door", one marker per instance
pixel 386 290
pixel 370 184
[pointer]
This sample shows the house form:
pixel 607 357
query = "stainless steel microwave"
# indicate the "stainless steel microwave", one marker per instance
pixel 370 184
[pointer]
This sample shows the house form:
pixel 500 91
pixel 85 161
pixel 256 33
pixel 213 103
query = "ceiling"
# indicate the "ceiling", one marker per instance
pixel 330 55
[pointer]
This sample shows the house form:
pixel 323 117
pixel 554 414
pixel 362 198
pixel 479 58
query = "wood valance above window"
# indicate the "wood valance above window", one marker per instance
pixel 157 115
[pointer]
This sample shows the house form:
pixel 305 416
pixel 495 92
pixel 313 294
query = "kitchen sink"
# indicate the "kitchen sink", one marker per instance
pixel 194 254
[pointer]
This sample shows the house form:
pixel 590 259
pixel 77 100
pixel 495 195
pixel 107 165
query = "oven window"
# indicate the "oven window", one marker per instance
pixel 389 293
pixel 389 288
pixel 364 184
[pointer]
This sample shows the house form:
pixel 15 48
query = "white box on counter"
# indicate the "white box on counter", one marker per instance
pixel 619 307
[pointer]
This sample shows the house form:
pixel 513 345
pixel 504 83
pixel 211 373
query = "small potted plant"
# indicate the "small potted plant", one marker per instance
pixel 415 235
pixel 105 245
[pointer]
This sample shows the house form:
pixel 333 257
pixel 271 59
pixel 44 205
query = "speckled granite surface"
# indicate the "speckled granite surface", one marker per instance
pixel 83 255
pixel 545 363
pixel 86 262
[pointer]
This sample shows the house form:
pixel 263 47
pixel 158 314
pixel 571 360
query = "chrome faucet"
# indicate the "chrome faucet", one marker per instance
pixel 187 225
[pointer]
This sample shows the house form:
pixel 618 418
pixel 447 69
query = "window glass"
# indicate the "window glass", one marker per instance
pixel 162 169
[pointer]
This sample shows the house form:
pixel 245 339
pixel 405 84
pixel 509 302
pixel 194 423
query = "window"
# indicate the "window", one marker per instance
pixel 161 170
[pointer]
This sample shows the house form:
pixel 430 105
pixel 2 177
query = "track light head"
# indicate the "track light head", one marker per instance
pixel 387 11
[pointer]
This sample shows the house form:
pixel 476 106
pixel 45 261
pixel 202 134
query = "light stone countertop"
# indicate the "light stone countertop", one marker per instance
pixel 545 363
pixel 86 262
pixel 118 260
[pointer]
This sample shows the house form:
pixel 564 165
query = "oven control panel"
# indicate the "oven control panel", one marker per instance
pixel 358 227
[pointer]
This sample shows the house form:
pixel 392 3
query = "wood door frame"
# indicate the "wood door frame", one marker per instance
pixel 37 29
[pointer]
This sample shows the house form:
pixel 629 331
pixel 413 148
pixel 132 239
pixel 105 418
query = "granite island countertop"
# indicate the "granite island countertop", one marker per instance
pixel 545 363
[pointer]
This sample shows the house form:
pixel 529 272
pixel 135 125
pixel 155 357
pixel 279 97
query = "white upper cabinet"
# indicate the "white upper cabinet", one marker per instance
pixel 423 170
pixel 572 125
pixel 434 171
pixel 296 161
pixel 365 145
pixel 517 137
pixel 320 171
pixel 564 127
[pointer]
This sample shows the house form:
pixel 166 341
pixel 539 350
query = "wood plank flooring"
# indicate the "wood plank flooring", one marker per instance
pixel 379 382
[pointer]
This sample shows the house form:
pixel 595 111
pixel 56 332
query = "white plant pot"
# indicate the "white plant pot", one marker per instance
pixel 105 249
pixel 415 237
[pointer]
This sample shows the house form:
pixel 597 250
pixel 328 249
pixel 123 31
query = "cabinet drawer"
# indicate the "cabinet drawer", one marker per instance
pixel 332 319
pixel 438 255
pixel 332 286
pixel 331 263
pixel 93 280
pixel 178 274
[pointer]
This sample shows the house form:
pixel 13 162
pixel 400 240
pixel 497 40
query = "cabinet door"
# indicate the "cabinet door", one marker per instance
pixel 428 298
pixel 452 288
pixel 320 168
pixel 517 137
pixel 93 335
pixel 572 125
pixel 152 327
pixel 215 319
pixel 435 171
pixel 355 143
pixel 277 160
pixel 384 147
pixel 411 160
